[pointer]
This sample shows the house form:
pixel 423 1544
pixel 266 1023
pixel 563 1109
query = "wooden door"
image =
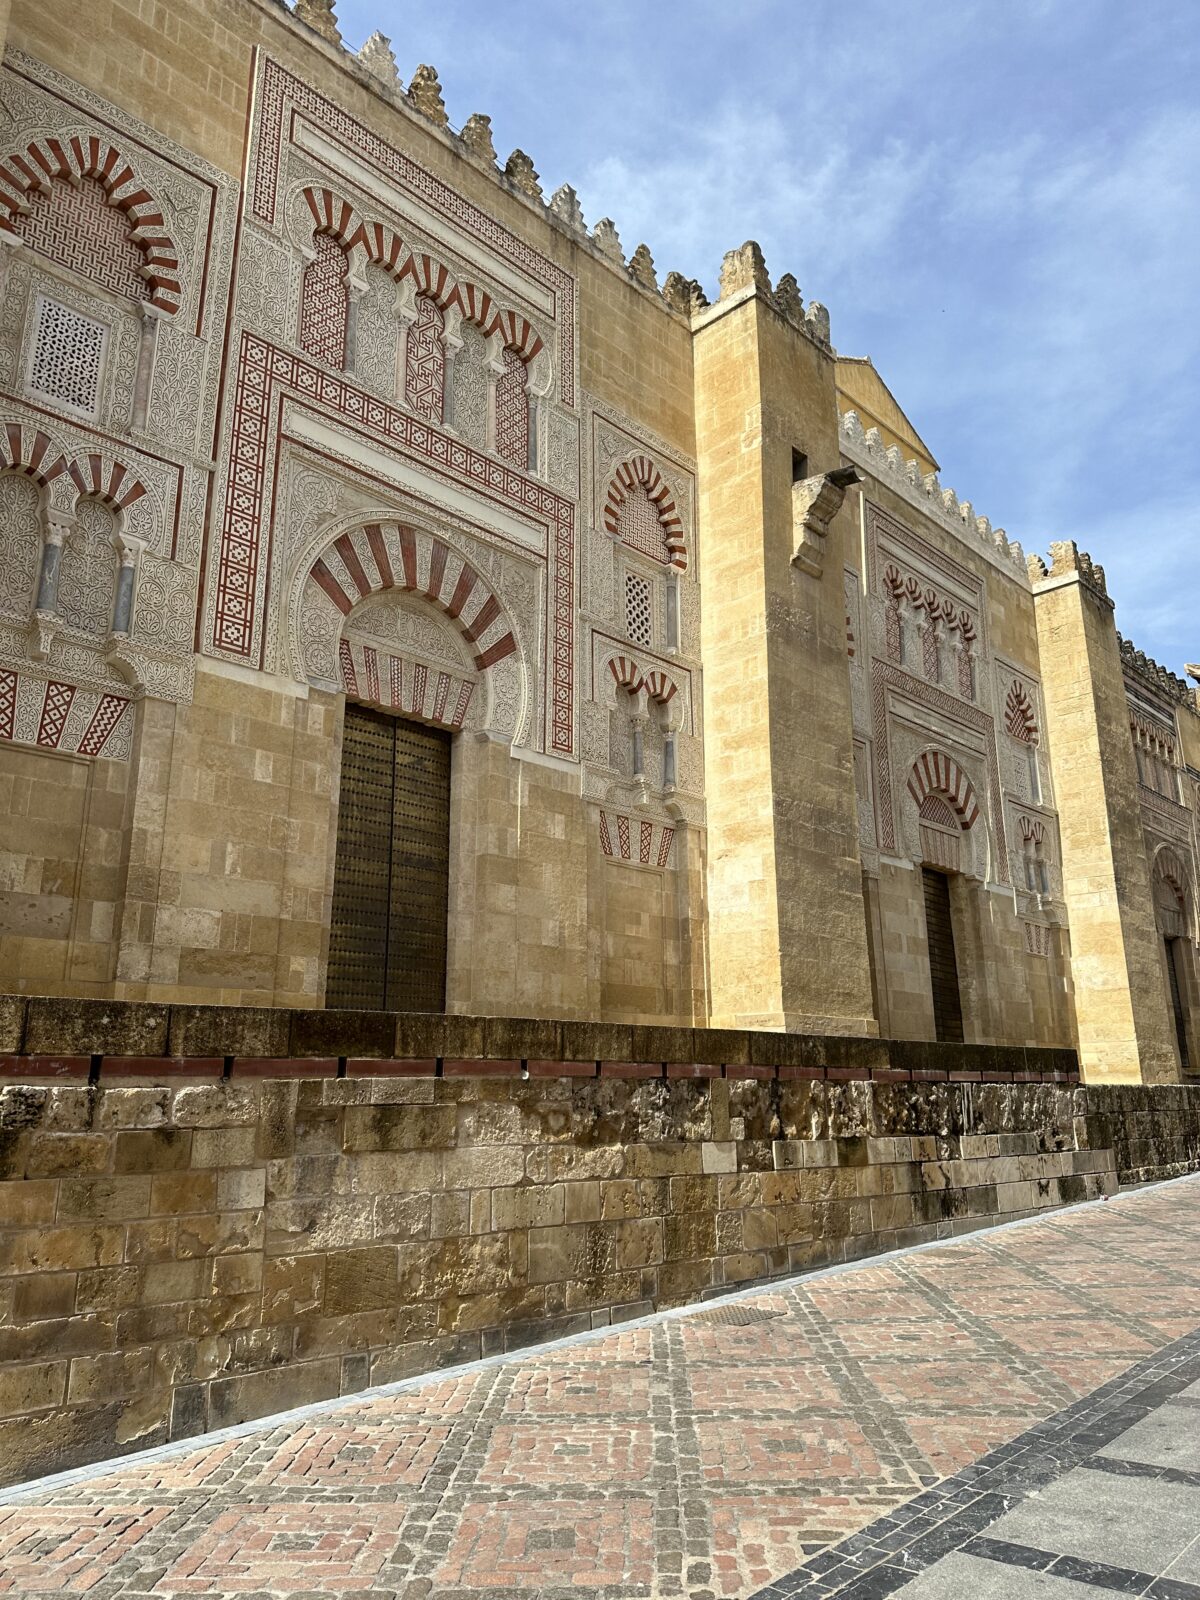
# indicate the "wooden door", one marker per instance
pixel 387 940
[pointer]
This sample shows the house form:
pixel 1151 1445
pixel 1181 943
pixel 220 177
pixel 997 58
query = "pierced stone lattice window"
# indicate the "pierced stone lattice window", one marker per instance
pixel 76 226
pixel 639 625
pixel 67 358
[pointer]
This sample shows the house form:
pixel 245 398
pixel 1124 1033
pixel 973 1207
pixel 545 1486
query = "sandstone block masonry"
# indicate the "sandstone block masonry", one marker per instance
pixel 190 1240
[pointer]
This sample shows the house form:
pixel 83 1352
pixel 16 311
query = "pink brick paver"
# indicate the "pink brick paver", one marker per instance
pixel 696 1456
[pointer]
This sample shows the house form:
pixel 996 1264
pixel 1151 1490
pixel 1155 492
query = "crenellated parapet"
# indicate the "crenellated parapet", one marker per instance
pixel 1165 682
pixel 924 489
pixel 1068 560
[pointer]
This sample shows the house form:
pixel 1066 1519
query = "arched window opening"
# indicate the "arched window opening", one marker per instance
pixel 75 226
pixel 325 303
pixel 512 411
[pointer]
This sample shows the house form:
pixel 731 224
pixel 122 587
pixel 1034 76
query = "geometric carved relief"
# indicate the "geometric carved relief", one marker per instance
pixel 426 361
pixel 638 842
pixel 512 411
pixel 58 716
pixel 325 302
pixel 67 357
pixel 640 509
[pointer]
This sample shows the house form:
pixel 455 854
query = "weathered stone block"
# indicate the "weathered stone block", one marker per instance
pixel 257 1394
pixel 152 1150
pixel 228 1031
pixel 95 1027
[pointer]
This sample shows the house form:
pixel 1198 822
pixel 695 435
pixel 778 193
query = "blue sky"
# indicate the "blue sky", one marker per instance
pixel 999 203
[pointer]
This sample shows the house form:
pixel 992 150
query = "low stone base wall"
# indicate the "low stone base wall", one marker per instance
pixel 1154 1132
pixel 178 1257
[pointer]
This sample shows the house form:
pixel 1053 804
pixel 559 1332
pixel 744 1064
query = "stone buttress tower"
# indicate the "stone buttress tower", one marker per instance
pixel 1123 1025
pixel 788 945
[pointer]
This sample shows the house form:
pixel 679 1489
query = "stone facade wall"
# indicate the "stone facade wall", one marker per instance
pixel 694 626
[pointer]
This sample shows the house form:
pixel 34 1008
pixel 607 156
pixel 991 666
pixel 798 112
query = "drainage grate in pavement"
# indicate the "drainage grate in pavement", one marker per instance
pixel 736 1316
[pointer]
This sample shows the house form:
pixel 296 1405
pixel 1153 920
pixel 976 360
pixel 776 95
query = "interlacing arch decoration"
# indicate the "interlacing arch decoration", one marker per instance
pixel 639 472
pixel 937 773
pixel 383 247
pixel 1019 719
pixel 33 171
pixel 381 556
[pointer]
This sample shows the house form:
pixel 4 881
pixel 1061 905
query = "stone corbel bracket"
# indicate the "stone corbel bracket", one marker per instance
pixel 815 503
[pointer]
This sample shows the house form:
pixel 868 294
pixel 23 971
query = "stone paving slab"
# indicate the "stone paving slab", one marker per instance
pixel 741 1448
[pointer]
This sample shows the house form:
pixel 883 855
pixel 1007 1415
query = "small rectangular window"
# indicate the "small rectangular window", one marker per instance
pixel 67 360
pixel 799 466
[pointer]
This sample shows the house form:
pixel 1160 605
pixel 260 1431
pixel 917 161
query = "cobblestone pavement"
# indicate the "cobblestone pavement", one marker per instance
pixel 711 1454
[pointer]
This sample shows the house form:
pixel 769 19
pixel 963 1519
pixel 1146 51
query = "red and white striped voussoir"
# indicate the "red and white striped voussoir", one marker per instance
pixel 106 479
pixel 29 450
pixel 435 694
pixel 661 688
pixel 626 672
pixel 33 170
pixel 381 556
pixel 937 773
pixel 335 216
pixel 640 471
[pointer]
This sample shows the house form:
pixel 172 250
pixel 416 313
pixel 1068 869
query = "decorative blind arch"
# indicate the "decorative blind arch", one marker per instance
pixel 937 773
pixel 378 557
pixel 104 478
pixel 40 165
pixel 1172 893
pixel 1019 719
pixel 640 472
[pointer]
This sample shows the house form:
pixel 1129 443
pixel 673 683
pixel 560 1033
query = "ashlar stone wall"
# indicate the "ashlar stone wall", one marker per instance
pixel 191 1237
